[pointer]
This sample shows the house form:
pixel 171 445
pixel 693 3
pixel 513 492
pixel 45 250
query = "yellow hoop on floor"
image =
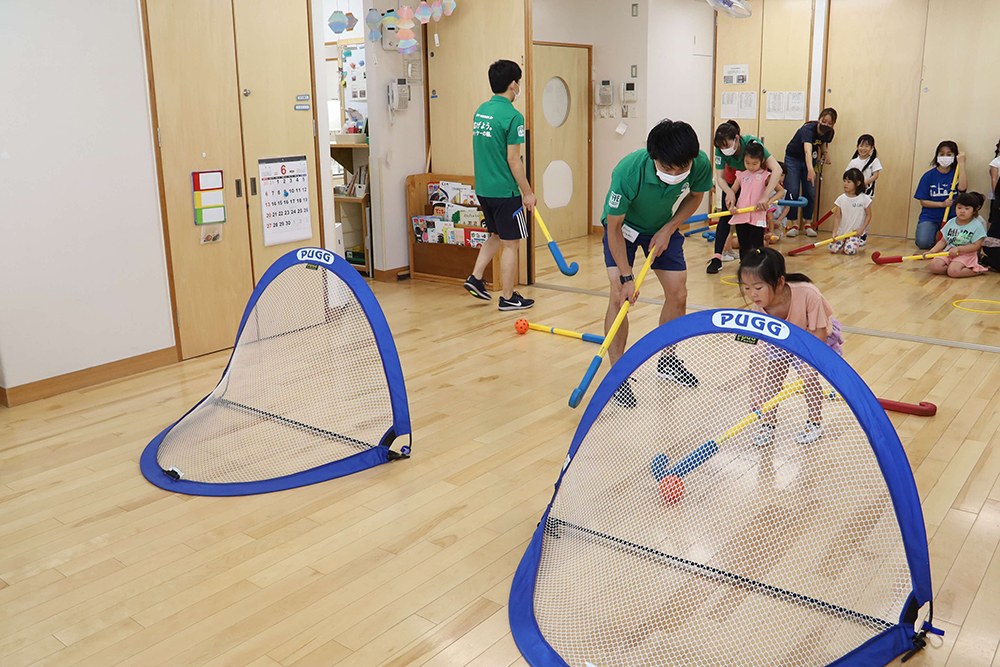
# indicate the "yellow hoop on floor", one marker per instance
pixel 970 310
pixel 723 279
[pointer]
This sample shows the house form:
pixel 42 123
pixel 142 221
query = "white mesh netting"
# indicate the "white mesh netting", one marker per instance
pixel 305 387
pixel 784 554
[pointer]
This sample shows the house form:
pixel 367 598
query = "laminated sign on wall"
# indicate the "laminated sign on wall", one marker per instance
pixel 284 199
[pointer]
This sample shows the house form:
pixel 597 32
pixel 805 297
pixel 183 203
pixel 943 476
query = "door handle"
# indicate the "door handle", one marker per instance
pixel 239 188
pixel 253 186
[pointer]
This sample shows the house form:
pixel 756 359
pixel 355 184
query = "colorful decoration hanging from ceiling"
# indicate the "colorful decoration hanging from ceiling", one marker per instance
pixel 404 31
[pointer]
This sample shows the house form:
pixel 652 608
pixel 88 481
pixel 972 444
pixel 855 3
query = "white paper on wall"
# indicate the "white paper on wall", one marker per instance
pixel 775 105
pixel 748 104
pixel 730 107
pixel 284 199
pixel 795 105
pixel 735 75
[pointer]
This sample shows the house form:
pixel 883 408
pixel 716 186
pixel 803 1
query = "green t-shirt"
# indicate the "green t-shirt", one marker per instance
pixel 647 202
pixel 497 124
pixel 736 161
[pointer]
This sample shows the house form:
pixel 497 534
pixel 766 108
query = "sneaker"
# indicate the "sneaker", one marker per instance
pixel 623 396
pixel 728 256
pixel 515 302
pixel 669 367
pixel 764 435
pixel 792 232
pixel 477 288
pixel 812 432
pixel 714 266
pixel 864 241
pixel 811 232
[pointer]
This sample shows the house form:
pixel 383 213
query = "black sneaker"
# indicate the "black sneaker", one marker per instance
pixel 714 266
pixel 623 396
pixel 477 288
pixel 669 367
pixel 516 302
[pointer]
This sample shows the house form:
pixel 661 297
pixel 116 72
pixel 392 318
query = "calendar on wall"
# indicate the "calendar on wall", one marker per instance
pixel 284 199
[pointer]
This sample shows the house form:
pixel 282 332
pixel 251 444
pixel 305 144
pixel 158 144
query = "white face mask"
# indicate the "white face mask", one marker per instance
pixel 729 151
pixel 671 179
pixel 946 160
pixel 517 94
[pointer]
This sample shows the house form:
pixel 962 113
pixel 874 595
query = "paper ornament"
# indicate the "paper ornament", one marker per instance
pixel 351 20
pixel 437 9
pixel 374 20
pixel 404 31
pixel 423 12
pixel 449 7
pixel 390 19
pixel 337 22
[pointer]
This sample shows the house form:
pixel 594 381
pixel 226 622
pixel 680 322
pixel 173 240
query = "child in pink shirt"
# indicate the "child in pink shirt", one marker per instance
pixel 750 186
pixel 791 297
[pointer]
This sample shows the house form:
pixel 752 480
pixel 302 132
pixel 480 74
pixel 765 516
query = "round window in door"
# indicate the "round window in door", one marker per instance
pixel 555 101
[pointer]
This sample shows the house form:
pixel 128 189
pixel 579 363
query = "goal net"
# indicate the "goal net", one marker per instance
pixel 313 390
pixel 714 525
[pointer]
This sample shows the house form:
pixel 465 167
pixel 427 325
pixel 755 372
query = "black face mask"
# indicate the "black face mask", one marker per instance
pixel 824 129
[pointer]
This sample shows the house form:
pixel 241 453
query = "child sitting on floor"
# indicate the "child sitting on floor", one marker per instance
pixel 962 237
pixel 853 214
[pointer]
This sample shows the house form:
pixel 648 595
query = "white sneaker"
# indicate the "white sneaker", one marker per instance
pixel 812 432
pixel 764 435
pixel 728 256
pixel 864 241
pixel 811 232
pixel 792 232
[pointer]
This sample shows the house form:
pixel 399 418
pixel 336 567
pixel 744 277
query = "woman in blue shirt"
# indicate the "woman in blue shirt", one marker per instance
pixel 806 149
pixel 934 192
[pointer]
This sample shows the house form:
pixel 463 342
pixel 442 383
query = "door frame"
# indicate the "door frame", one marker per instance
pixel 591 229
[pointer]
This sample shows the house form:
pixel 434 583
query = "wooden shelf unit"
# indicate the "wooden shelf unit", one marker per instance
pixel 441 262
pixel 363 202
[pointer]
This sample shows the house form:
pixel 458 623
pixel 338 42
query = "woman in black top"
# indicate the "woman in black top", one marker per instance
pixel 805 150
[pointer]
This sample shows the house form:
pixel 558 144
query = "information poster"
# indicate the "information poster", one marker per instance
pixel 748 104
pixel 284 199
pixel 735 75
pixel 730 105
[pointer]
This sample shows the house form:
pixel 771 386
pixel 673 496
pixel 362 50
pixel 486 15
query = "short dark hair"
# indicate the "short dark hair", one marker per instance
pixel 855 176
pixel 725 133
pixel 829 111
pixel 672 143
pixel 769 265
pixel 971 199
pixel 945 144
pixel 502 74
pixel 755 150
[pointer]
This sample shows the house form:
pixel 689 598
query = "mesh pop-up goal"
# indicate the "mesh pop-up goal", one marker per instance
pixel 694 528
pixel 313 390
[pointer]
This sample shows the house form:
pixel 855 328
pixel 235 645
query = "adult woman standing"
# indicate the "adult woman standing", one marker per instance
pixel 729 145
pixel 806 149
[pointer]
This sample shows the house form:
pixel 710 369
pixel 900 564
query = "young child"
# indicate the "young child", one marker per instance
pixel 750 186
pixel 775 221
pixel 853 214
pixel 934 191
pixel 962 237
pixel 791 297
pixel 866 161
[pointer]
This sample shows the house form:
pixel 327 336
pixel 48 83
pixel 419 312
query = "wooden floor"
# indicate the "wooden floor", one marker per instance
pixel 410 563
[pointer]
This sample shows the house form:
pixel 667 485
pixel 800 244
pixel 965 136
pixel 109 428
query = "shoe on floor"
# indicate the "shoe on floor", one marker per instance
pixel 792 232
pixel 864 241
pixel 714 266
pixel 728 256
pixel 811 232
pixel 515 302
pixel 623 396
pixel 764 435
pixel 812 432
pixel 477 288
pixel 669 367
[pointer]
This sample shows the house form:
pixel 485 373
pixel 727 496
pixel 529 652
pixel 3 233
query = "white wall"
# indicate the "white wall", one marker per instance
pixel 82 261
pixel 332 234
pixel 396 150
pixel 664 42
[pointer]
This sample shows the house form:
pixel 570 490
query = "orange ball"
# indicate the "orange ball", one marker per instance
pixel 521 326
pixel 672 488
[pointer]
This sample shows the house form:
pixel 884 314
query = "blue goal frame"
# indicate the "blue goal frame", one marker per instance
pixel 881 649
pixel 368 458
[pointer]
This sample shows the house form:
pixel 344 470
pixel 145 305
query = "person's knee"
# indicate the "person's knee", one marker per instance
pixel 955 269
pixel 938 267
pixel 510 244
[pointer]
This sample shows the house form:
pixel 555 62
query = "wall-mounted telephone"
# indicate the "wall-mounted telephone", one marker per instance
pixel 399 95
pixel 629 95
pixel 605 94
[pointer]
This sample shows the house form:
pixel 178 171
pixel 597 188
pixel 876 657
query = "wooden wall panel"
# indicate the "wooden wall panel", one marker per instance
pixel 737 42
pixel 784 65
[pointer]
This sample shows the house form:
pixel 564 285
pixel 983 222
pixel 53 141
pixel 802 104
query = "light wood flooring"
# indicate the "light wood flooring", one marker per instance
pixel 410 563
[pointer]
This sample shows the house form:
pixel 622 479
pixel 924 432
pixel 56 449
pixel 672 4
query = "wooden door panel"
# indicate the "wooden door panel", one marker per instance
pixel 274 65
pixel 194 77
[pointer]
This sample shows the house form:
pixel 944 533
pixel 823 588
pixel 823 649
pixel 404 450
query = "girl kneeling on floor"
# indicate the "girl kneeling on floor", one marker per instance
pixel 791 297
pixel 961 237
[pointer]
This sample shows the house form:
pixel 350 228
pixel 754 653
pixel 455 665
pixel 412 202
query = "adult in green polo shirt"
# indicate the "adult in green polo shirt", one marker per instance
pixel 729 145
pixel 497 135
pixel 653 192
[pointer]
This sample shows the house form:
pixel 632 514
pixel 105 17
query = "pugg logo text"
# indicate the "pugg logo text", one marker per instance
pixel 758 324
pixel 316 255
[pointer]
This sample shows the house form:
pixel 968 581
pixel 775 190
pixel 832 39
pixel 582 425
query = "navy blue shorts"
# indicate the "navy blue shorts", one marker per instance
pixel 505 217
pixel 671 259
